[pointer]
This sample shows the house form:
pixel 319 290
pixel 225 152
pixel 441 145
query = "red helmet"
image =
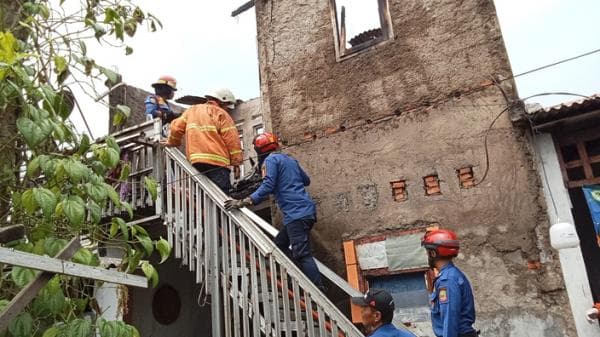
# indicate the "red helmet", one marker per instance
pixel 443 241
pixel 169 81
pixel 265 142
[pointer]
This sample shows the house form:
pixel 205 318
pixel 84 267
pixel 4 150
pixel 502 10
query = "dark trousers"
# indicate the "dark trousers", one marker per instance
pixel 470 334
pixel 217 174
pixel 297 233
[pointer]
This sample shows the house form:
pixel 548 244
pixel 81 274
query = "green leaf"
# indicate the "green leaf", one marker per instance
pixel 32 132
pixel 22 276
pixel 114 227
pixel 146 243
pixel 51 299
pixel 164 249
pixel 151 186
pixel 76 171
pixel 33 168
pixel 96 192
pixel 84 145
pixel 74 209
pixel 150 272
pixel 128 50
pixel 141 230
pixel 46 200
pixel 111 142
pixel 82 47
pixel 85 256
pixel 60 64
pixel 124 228
pixel 132 331
pixel 99 31
pixel 110 75
pixel 79 327
pixel 125 205
pixel 124 109
pixel 51 332
pixel 52 246
pixel 110 15
pixel 3 304
pixel 21 326
pixel 95 212
pixel 28 201
pixel 48 165
pixel 113 329
pixel 8 51
pixel 134 261
pixel 109 157
pixel 112 194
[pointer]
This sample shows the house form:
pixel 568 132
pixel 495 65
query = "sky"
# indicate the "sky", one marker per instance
pixel 204 47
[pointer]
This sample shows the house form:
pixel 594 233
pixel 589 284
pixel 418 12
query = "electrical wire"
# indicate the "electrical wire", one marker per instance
pixel 553 64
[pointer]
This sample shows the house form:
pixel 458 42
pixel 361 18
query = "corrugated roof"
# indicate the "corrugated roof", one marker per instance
pixel 565 110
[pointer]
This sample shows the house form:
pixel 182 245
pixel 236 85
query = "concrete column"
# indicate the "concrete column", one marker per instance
pixel 571 259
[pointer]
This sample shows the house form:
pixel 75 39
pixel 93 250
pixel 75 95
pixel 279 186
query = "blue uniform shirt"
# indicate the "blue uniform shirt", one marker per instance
pixel 452 304
pixel 388 330
pixel 283 177
pixel 155 104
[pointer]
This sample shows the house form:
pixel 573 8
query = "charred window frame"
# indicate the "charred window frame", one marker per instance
pixel 346 47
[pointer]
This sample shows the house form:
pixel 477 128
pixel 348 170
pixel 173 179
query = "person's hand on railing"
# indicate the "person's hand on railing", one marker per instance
pixel 593 314
pixel 237 204
pixel 166 143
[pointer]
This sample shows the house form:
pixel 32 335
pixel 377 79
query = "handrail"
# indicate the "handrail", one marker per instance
pixel 323 269
pixel 196 215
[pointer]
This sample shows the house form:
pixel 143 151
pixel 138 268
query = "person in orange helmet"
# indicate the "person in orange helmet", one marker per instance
pixel 157 105
pixel 452 302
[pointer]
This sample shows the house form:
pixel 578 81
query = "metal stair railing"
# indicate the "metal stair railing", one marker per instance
pixel 254 288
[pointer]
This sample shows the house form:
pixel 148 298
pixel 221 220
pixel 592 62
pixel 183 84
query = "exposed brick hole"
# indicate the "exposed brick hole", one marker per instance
pixel 314 136
pixel 466 177
pixel 369 121
pixel 397 112
pixel 432 185
pixel 399 192
pixel 342 128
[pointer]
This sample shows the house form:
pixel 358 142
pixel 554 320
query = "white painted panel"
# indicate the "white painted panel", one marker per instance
pixel 372 255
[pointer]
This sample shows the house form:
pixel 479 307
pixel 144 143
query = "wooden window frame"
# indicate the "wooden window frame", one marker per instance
pixel 387 33
pixel 578 139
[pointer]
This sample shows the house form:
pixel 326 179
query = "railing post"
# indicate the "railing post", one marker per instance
pixel 159 169
pixel 215 293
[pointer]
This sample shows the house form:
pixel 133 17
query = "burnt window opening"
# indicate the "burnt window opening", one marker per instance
pixel 466 177
pixel 258 129
pixel 359 25
pixel 399 192
pixel 432 185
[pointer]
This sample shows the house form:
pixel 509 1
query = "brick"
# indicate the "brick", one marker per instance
pixel 398 184
pixel 430 179
pixel 534 265
pixel 332 130
pixel 433 190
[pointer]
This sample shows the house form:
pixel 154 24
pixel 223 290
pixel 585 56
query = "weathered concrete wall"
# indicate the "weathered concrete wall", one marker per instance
pixel 192 320
pixel 415 106
pixel 247 116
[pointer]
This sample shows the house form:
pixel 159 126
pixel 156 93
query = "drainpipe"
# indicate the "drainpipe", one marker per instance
pixel 563 236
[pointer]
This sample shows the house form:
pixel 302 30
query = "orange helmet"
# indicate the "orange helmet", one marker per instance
pixel 443 241
pixel 265 142
pixel 169 81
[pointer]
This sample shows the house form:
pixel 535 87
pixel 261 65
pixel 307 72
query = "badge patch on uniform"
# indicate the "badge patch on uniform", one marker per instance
pixel 263 170
pixel 443 295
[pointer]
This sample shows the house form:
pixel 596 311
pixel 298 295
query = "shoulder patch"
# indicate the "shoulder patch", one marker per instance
pixel 151 100
pixel 443 295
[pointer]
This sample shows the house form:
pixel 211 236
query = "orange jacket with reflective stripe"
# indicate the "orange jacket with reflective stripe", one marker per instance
pixel 211 136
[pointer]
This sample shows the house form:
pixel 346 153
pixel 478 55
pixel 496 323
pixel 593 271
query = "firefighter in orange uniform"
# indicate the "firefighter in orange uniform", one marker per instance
pixel 212 140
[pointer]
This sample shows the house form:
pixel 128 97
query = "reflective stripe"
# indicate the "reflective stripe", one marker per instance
pixel 223 130
pixel 235 152
pixel 210 156
pixel 202 128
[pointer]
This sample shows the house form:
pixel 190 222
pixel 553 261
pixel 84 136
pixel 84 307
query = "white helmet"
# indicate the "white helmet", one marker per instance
pixel 224 95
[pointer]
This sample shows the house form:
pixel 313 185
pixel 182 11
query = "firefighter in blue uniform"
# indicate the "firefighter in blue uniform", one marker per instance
pixel 157 105
pixel 377 313
pixel 284 178
pixel 452 303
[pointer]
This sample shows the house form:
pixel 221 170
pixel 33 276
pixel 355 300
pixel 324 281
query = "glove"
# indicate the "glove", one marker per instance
pixel 237 204
pixel 592 315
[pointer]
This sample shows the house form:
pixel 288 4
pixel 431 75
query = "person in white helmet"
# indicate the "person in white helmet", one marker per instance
pixel 212 140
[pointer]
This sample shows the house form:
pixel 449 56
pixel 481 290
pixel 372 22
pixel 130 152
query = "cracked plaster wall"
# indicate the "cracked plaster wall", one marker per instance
pixel 440 52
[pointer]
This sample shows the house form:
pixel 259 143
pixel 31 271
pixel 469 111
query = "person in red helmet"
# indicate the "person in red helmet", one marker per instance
pixel 452 302
pixel 283 177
